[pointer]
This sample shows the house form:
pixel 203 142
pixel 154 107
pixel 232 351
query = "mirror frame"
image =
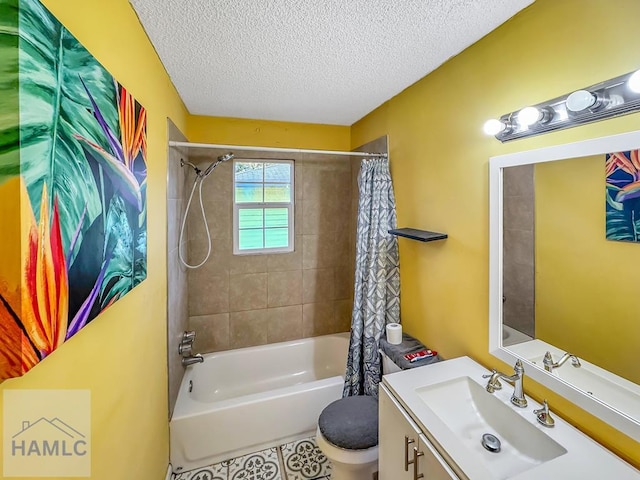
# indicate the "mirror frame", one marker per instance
pixel 586 148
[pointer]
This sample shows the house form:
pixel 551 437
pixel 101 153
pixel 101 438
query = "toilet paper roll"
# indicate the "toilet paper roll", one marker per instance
pixel 394 333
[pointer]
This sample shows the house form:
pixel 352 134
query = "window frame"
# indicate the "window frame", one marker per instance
pixel 237 206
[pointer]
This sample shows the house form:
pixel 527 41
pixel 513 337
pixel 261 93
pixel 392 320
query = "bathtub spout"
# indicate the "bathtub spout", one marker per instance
pixel 190 360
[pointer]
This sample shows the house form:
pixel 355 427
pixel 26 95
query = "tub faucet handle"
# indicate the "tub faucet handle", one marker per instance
pixel 188 337
pixel 185 349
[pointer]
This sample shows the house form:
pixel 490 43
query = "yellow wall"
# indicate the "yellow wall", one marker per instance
pixel 439 163
pixel 238 131
pixel 121 356
pixel 581 277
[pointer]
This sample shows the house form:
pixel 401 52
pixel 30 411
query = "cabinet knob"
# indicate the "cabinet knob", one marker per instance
pixel 416 456
pixel 407 462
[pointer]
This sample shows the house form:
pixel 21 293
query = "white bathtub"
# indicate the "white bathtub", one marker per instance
pixel 245 400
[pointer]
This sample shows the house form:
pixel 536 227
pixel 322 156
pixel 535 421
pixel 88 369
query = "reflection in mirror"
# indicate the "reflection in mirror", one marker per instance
pixel 559 285
pixel 586 289
pixel 583 302
pixel 518 262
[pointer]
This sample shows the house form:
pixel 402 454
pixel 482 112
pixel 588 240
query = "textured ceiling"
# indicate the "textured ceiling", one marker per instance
pixel 316 61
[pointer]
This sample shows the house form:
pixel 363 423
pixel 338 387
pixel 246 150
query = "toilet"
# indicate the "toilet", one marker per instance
pixel 348 428
pixel 348 435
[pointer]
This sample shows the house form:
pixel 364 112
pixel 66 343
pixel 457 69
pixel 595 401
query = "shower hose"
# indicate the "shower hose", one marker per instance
pixel 197 183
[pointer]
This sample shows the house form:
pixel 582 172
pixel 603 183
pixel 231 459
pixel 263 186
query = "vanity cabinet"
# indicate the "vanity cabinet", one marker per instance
pixel 404 452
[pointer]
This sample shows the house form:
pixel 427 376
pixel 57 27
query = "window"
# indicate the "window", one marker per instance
pixel 263 193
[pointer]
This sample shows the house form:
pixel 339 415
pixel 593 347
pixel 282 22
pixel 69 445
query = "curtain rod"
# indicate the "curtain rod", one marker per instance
pixel 273 149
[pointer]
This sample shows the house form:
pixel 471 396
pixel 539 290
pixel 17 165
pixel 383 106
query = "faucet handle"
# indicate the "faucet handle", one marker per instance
pixel 544 416
pixel 188 337
pixel 494 381
pixel 185 349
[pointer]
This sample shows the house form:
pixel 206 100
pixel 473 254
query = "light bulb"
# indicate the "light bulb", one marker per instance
pixel 580 100
pixel 528 116
pixel 493 127
pixel 634 82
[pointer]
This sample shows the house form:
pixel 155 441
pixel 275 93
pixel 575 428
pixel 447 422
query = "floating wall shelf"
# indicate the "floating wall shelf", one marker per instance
pixel 420 235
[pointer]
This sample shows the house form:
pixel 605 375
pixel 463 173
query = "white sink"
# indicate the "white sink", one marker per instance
pixel 449 402
pixel 470 412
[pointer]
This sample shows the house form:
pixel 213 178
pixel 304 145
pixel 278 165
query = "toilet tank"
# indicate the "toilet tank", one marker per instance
pixel 388 365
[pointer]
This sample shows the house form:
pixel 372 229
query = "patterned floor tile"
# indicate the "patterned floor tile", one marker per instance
pixel 262 465
pixel 303 460
pixel 212 472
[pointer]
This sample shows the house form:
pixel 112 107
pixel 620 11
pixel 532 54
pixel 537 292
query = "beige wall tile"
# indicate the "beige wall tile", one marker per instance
pixel 310 253
pixel 174 219
pixel 317 285
pixel 212 332
pixel 247 292
pixel 328 214
pixel 312 186
pixel 284 288
pixel 318 251
pixel 299 184
pixel 248 329
pixel 208 294
pixel 342 318
pixel 283 262
pixel 341 249
pixel 318 319
pixel 355 170
pixel 218 262
pixel 343 281
pixel 298 212
pixel 312 211
pixel 518 180
pixel 220 222
pixel 284 323
pixel 247 264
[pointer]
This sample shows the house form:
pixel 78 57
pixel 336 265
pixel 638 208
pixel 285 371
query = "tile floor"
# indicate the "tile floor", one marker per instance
pixel 301 460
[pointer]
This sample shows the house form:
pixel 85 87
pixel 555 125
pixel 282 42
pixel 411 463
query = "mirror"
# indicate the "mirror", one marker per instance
pixel 557 283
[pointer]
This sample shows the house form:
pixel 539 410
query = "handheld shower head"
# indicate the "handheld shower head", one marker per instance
pixel 222 158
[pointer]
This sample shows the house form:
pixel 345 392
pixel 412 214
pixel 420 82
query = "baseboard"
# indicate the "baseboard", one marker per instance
pixel 169 473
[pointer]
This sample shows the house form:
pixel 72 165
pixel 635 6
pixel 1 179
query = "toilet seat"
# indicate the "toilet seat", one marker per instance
pixel 343 455
pixel 348 435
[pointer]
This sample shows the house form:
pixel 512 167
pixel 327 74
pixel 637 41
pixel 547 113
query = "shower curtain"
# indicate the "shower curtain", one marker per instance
pixel 376 299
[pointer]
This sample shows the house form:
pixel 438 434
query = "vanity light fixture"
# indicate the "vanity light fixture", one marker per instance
pixel 528 116
pixel 493 127
pixel 634 82
pixel 581 100
pixel 608 99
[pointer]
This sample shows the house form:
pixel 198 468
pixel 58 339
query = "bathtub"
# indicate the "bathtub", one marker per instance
pixel 241 401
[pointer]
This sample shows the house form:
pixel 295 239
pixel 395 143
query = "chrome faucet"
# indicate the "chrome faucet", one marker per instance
pixel 549 365
pixel 190 360
pixel 185 350
pixel 517 398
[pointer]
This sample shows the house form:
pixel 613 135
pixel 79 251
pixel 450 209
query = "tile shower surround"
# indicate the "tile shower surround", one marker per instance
pixel 239 301
pixel 177 308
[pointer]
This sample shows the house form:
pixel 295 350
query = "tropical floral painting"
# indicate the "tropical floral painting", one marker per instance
pixel 73 163
pixel 623 196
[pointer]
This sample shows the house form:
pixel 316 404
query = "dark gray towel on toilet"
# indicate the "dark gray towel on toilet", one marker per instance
pixel 409 345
